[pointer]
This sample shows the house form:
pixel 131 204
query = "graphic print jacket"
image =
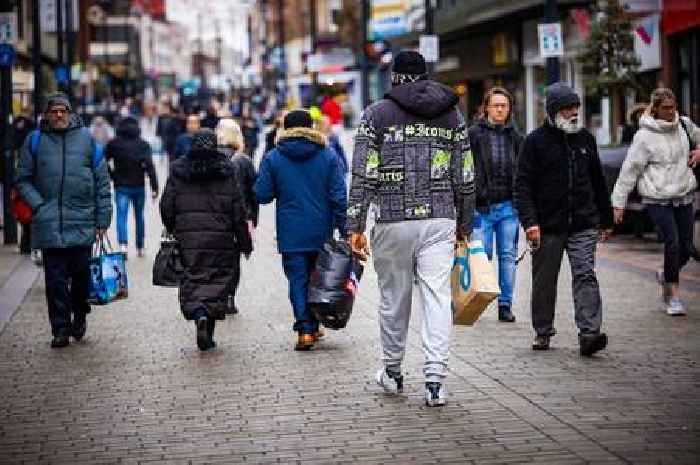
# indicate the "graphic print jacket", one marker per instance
pixel 412 158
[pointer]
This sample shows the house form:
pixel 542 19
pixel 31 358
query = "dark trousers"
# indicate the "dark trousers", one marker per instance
pixel 67 276
pixel 25 242
pixel 676 225
pixel 298 267
pixel 546 262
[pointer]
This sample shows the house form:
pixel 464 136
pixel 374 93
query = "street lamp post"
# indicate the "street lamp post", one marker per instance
pixel 313 33
pixel 70 50
pixel 36 60
pixel 551 15
pixel 364 61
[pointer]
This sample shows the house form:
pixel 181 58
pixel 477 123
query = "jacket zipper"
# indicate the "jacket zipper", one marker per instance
pixel 572 161
pixel 60 193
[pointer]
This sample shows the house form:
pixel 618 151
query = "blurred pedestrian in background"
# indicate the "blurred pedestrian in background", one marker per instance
pixel 101 131
pixel 131 157
pixel 660 163
pixel 325 126
pixel 230 141
pixel 563 204
pixel 203 207
pixel 67 185
pixel 150 125
pixel 271 136
pixel 183 144
pixel 495 143
pixel 304 178
pixel 21 127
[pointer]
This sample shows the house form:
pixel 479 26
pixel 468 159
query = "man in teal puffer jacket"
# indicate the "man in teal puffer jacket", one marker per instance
pixel 65 180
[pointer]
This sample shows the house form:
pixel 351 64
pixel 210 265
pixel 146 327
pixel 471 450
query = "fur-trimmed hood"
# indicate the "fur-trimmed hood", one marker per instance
pixel 301 143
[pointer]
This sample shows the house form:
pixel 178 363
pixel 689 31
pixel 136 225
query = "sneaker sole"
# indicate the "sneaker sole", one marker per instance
pixel 436 403
pixel 387 390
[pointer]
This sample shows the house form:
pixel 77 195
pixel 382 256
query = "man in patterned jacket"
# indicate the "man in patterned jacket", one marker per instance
pixel 412 158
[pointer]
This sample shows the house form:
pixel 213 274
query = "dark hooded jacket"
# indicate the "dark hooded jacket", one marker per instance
pixel 412 157
pixel 305 178
pixel 67 185
pixel 245 172
pixel 131 156
pixel 203 207
pixel 480 139
pixel 560 184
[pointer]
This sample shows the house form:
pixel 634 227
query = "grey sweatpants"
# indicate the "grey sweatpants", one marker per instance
pixel 546 261
pixel 423 249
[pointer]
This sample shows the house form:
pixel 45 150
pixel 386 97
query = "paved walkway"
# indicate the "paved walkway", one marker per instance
pixel 138 391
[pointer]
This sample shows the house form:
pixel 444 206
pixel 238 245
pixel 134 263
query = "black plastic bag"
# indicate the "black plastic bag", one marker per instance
pixel 333 284
pixel 167 267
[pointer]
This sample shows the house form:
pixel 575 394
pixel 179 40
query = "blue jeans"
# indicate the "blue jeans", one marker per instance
pixel 501 219
pixel 298 267
pixel 137 196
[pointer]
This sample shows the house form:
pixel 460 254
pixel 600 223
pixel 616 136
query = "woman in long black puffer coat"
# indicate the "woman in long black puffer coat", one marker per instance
pixel 203 207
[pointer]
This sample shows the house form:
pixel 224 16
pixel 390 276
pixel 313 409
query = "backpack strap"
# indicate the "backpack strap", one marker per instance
pixel 34 140
pixel 687 133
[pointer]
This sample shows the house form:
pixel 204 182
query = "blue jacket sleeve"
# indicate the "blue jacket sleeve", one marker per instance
pixel 265 185
pixel 338 195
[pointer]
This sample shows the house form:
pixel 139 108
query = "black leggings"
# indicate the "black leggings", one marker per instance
pixel 676 224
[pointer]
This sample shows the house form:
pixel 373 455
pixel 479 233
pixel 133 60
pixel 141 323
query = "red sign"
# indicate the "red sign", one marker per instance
pixel 154 8
pixel 680 15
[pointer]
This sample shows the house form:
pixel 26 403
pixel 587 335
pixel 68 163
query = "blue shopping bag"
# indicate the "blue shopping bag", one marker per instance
pixel 108 277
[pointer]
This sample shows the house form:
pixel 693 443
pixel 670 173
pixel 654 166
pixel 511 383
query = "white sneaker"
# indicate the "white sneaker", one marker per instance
pixel 140 252
pixel 37 258
pixel 435 395
pixel 392 383
pixel 123 248
pixel 675 307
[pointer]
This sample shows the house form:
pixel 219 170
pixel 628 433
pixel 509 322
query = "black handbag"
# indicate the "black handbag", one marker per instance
pixel 167 267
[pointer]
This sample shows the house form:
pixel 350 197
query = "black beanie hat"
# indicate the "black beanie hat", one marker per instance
pixel 298 119
pixel 59 98
pixel 409 66
pixel 558 96
pixel 204 140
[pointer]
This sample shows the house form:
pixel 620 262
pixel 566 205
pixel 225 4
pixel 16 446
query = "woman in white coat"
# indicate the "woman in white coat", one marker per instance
pixel 660 162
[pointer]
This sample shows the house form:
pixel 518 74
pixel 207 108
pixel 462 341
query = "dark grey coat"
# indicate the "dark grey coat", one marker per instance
pixel 67 185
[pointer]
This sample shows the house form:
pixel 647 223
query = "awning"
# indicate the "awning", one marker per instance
pixel 680 15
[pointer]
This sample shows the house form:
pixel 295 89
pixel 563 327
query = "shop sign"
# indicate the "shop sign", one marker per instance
pixel 8 28
pixel 551 40
pixel 429 46
pixel 7 55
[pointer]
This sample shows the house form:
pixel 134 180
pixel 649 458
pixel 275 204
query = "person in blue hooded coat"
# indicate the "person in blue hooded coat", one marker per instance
pixel 305 178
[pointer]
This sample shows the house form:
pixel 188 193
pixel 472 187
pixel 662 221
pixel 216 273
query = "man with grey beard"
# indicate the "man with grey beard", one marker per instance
pixel 564 205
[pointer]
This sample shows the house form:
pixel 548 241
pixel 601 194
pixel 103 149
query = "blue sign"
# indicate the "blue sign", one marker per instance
pixel 7 55
pixel 62 74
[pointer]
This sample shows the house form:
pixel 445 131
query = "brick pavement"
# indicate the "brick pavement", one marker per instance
pixel 138 391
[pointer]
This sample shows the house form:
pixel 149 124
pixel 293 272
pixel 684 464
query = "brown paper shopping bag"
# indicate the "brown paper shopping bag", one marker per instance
pixel 474 283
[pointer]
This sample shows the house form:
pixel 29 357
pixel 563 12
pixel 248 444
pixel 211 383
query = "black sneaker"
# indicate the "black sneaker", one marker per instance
pixel 541 343
pixel 592 343
pixel 505 315
pixel 59 341
pixel 79 329
pixel 435 395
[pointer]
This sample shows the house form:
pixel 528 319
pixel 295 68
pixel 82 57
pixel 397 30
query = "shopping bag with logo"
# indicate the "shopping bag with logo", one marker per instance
pixel 474 283
pixel 108 277
pixel 167 267
pixel 333 284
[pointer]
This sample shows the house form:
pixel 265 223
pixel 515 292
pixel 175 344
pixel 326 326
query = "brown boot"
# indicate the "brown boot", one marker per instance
pixel 305 342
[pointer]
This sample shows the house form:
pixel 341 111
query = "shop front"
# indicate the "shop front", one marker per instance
pixel 681 26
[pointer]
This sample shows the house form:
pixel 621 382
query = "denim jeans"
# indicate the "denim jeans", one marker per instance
pixel 676 224
pixel 501 219
pixel 137 196
pixel 298 267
